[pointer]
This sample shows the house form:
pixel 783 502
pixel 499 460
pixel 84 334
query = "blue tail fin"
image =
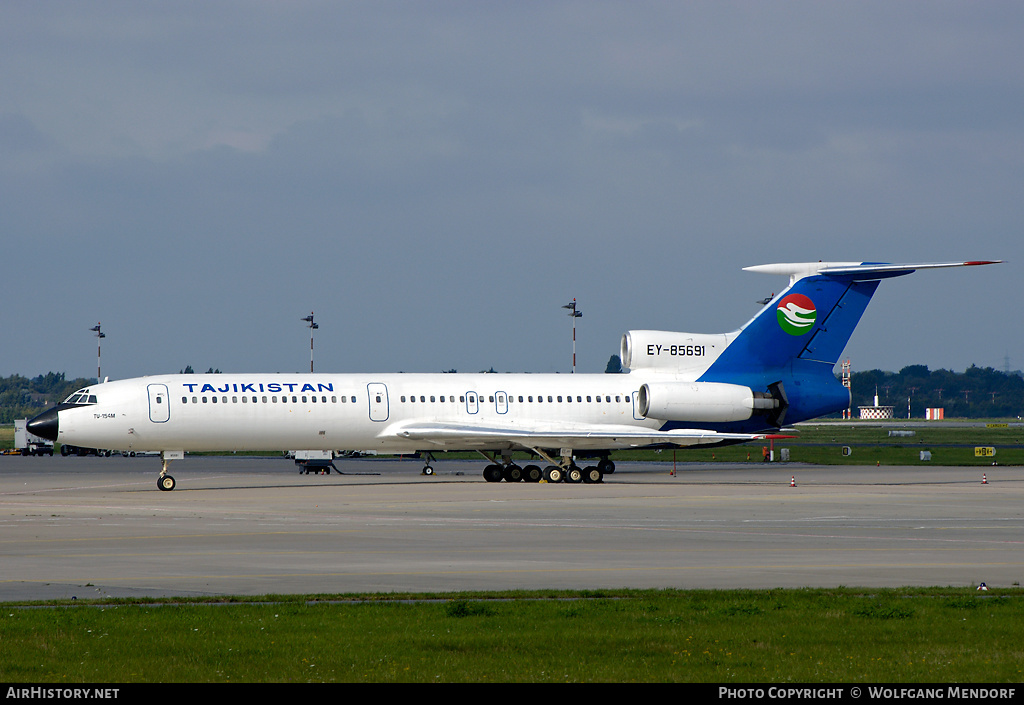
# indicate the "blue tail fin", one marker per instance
pixel 791 347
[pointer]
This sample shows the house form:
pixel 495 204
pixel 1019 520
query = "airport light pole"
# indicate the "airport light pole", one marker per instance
pixel 100 335
pixel 312 327
pixel 574 314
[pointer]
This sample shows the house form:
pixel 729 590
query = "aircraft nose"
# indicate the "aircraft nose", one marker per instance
pixel 44 425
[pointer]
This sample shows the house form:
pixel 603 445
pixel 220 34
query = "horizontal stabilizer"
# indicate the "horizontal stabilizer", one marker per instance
pixel 858 271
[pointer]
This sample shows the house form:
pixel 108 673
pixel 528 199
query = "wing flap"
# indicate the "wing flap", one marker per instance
pixel 580 437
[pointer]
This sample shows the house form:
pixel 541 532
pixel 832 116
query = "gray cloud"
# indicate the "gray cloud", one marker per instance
pixel 436 179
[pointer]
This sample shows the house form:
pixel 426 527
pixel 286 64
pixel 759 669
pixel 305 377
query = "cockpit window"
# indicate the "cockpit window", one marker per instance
pixel 82 396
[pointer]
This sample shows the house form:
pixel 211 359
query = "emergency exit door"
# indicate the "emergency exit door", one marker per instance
pixel 378 393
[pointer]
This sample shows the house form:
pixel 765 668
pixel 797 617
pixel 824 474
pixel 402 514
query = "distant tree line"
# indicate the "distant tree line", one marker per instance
pixel 22 398
pixel 978 392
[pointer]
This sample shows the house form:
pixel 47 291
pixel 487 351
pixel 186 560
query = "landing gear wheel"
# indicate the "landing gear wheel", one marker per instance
pixel 532 473
pixel 553 473
pixel 428 470
pixel 592 475
pixel 606 466
pixel 573 474
pixel 492 473
pixel 165 483
pixel 513 473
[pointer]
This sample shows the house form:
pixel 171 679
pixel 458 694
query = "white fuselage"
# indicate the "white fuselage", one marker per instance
pixel 342 412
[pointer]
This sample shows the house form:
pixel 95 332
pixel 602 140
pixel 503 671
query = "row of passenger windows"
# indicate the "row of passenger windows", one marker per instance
pixel 473 399
pixel 268 400
pixel 523 399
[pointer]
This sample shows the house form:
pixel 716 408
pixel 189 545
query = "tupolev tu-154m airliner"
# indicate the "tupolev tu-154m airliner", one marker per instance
pixel 682 389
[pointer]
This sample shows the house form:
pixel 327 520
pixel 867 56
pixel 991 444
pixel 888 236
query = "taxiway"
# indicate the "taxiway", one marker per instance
pixel 98 527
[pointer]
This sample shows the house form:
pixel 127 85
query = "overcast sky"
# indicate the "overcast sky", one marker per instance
pixel 436 179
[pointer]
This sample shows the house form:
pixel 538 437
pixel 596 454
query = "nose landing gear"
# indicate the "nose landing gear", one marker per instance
pixel 165 482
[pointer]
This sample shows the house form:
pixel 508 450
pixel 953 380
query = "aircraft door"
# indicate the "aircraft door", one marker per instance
pixel 472 402
pixel 159 403
pixel 501 402
pixel 378 394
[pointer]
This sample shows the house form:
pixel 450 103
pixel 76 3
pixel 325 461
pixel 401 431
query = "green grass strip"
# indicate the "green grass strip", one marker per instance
pixel 940 635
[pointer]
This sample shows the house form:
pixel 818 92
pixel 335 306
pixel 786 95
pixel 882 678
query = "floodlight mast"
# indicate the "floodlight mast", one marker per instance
pixel 574 314
pixel 100 335
pixel 312 327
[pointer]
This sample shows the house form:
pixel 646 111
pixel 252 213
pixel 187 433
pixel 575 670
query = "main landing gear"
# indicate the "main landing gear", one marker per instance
pixel 566 471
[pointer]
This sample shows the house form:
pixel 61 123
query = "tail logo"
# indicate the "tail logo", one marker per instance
pixel 797 314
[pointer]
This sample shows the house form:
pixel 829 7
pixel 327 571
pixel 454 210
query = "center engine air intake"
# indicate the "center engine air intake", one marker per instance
pixel 704 402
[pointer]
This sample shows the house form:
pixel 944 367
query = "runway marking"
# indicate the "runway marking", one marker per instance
pixel 449 524
pixel 108 579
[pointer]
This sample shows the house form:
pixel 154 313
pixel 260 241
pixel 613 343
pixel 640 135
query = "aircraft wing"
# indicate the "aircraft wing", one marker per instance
pixel 577 436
